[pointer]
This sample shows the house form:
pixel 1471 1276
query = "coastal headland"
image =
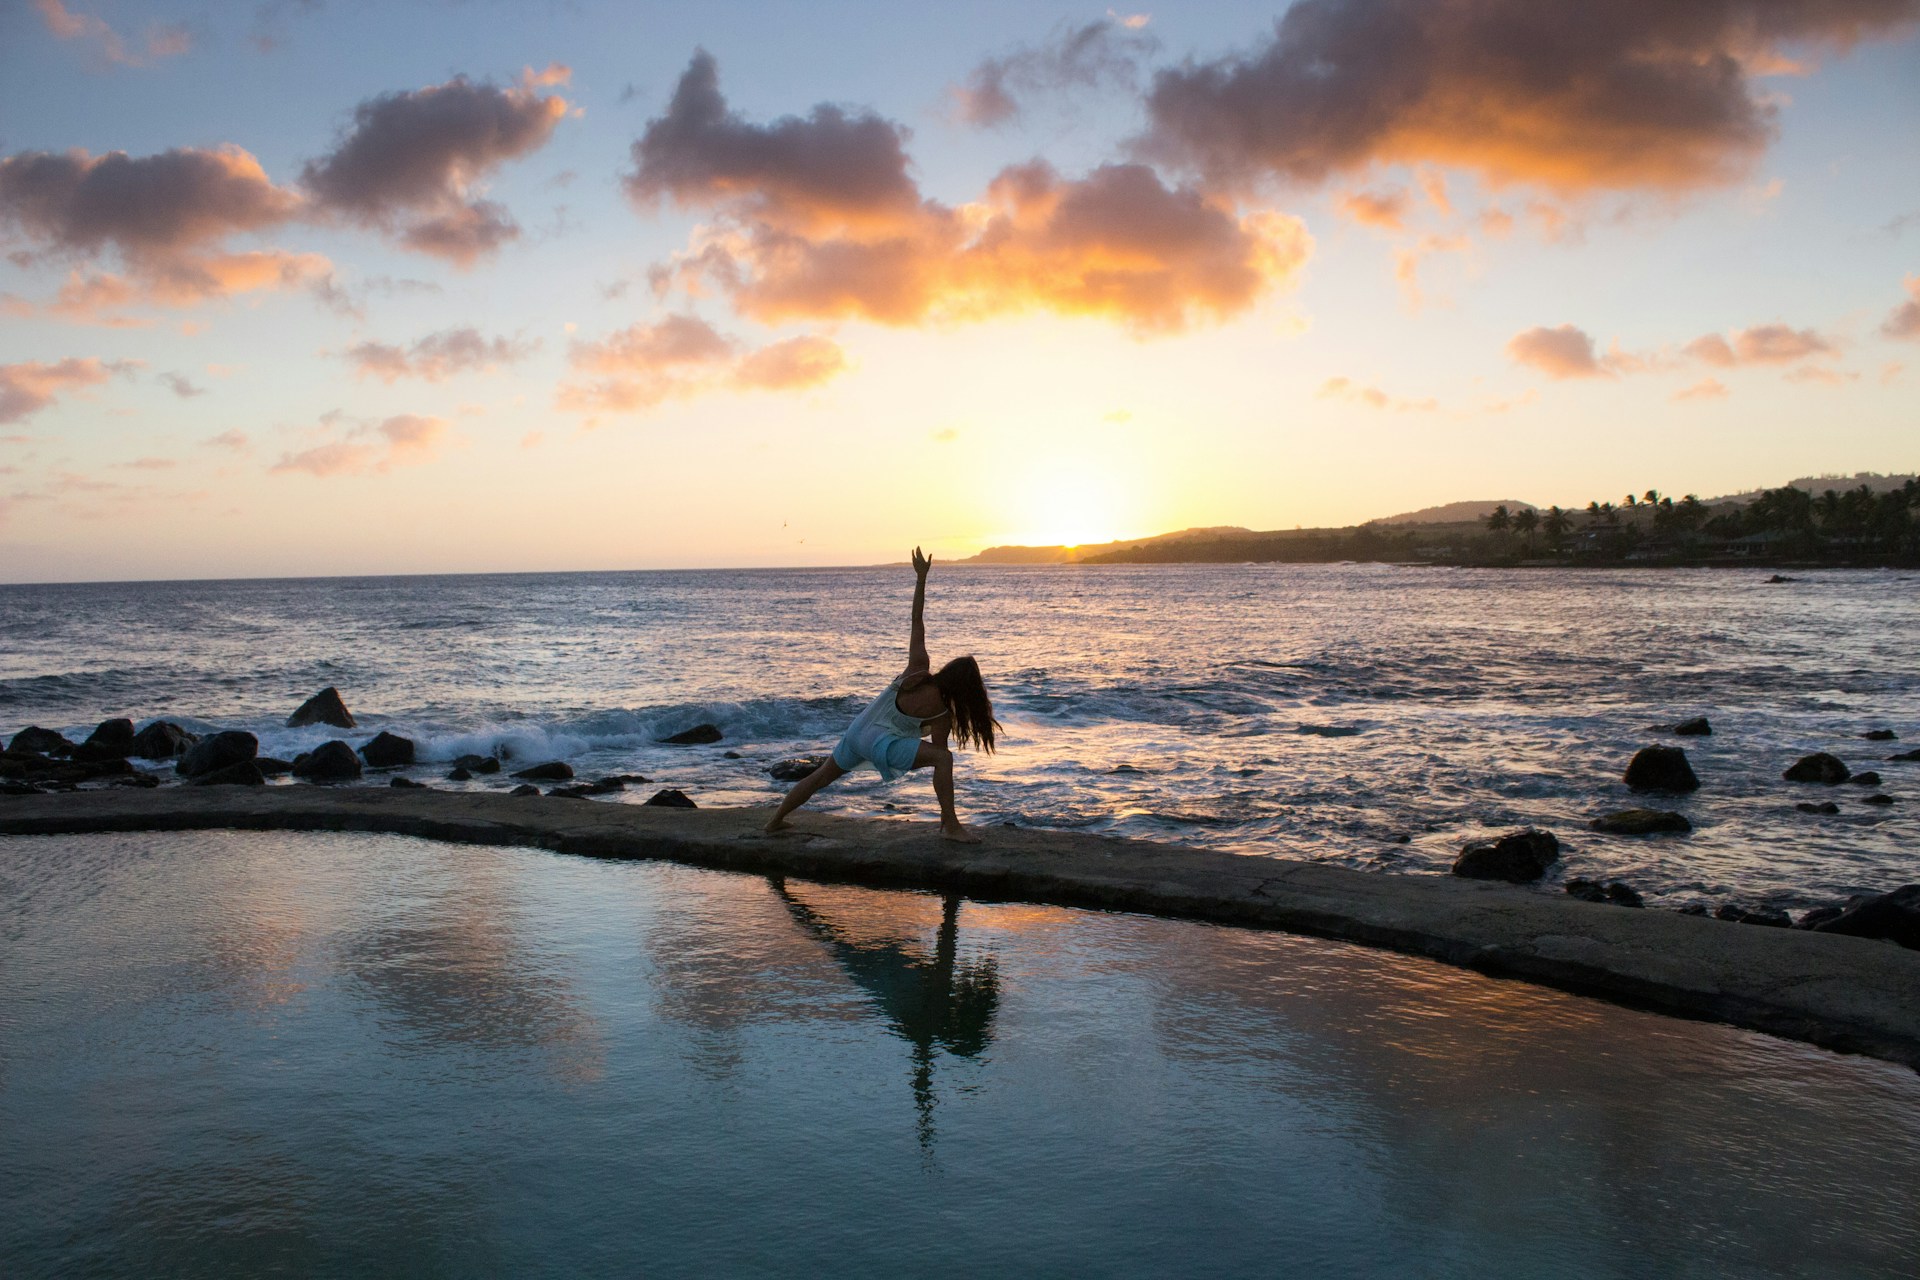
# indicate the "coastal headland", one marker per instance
pixel 1844 993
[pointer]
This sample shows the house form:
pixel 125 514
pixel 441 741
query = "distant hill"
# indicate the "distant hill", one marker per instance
pixel 1073 555
pixel 1457 512
pixel 1820 484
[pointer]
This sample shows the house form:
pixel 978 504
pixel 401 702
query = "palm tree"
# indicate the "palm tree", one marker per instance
pixel 1499 520
pixel 1526 520
pixel 1556 524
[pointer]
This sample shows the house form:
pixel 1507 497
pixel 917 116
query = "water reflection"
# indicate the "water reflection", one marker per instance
pixel 932 1000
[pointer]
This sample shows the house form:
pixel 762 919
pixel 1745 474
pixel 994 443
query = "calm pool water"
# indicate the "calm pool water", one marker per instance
pixel 347 1055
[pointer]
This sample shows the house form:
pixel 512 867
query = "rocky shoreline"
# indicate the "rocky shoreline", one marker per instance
pixel 1847 993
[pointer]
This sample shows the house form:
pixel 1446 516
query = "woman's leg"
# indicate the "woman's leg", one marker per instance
pixel 803 791
pixel 940 759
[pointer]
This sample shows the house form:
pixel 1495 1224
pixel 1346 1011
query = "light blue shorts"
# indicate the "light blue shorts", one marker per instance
pixel 890 753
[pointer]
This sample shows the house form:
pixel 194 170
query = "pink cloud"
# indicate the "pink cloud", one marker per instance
pixel 403 440
pixel 160 41
pixel 437 356
pixel 1904 320
pixel 28 387
pixel 683 356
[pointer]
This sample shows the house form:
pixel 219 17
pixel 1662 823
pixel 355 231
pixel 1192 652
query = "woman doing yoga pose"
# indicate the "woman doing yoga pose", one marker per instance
pixel 908 725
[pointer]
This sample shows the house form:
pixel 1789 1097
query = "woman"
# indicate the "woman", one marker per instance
pixel 892 734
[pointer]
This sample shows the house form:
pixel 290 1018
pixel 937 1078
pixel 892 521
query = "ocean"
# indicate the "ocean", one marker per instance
pixel 1369 715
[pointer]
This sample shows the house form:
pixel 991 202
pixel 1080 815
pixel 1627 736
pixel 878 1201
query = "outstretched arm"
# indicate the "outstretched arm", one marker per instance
pixel 917 642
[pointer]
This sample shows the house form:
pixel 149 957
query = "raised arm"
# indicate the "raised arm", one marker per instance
pixel 917 642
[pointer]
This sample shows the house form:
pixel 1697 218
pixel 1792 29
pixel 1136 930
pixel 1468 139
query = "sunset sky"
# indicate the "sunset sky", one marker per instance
pixel 337 286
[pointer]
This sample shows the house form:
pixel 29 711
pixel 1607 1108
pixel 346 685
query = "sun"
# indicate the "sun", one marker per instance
pixel 1070 507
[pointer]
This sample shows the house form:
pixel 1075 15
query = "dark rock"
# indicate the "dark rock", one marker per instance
pixel 407 784
pixel 672 798
pixel 333 761
pixel 9 787
pixel 1587 890
pixel 1693 909
pixel 40 741
pixel 1819 916
pixel 1904 755
pixel 1694 728
pixel 1895 916
pixel 1818 767
pixel 525 789
pixel 388 751
pixel 1661 769
pixel 271 766
pixel 1518 857
pixel 1828 807
pixel 241 773
pixel 324 707
pixel 112 740
pixel 624 779
pixel 731 755
pixel 1624 895
pixel 136 778
pixel 1771 917
pixel 217 751
pixel 1881 735
pixel 699 735
pixel 1777 578
pixel 459 773
pixel 1878 797
pixel 568 793
pixel 1640 822
pixel 162 740
pixel 1126 768
pixel 551 771
pixel 1866 778
pixel 478 764
pixel 796 768
pixel 46 771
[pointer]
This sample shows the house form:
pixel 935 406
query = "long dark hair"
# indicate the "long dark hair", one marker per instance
pixel 965 693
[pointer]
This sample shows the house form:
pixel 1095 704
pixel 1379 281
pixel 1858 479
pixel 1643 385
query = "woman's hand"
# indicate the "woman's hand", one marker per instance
pixel 921 563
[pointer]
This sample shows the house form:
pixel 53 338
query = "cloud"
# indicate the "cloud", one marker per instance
pixel 160 41
pixel 1625 96
pixel 1822 375
pixel 437 356
pixel 181 386
pixel 1762 344
pixel 1705 389
pixel 1372 397
pixel 410 163
pixel 1904 320
pixel 29 387
pixel 403 440
pixel 1386 210
pixel 816 217
pixel 166 218
pixel 1562 352
pixel 147 464
pixel 1103 54
pixel 683 356
pixel 232 441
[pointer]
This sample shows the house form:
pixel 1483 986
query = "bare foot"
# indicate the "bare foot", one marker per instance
pixel 958 833
pixel 775 824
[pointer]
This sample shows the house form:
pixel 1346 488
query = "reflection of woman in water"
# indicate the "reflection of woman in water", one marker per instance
pixel 907 726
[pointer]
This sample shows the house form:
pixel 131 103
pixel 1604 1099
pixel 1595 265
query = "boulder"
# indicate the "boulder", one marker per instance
pixel 1661 769
pixel 40 741
pixel 1771 917
pixel 1694 728
pixel 162 740
pixel 271 766
pixel 135 778
pixel 1778 578
pixel 478 764
pixel 1818 767
pixel 672 798
pixel 1518 857
pixel 1640 822
pixel 11 788
pixel 699 735
pixel 388 751
pixel 551 771
pixel 796 768
pixel 1614 891
pixel 1878 797
pixel 407 784
pixel 1881 735
pixel 1828 807
pixel 241 773
pixel 459 773
pixel 1894 916
pixel 1865 778
pixel 217 751
pixel 112 740
pixel 1819 916
pixel 324 707
pixel 333 761
pixel 525 789
pixel 1904 755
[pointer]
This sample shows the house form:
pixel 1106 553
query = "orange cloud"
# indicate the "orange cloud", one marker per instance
pixel 1615 97
pixel 1565 351
pixel 1705 389
pixel 1373 397
pixel 31 386
pixel 1904 320
pixel 1102 54
pixel 403 440
pixel 437 356
pixel 816 217
pixel 1386 210
pixel 160 41
pixel 1762 344
pixel 683 356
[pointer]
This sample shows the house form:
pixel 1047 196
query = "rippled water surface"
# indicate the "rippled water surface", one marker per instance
pixel 1321 711
pixel 349 1055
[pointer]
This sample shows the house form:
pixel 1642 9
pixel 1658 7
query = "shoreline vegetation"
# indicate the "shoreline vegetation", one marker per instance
pixel 1845 993
pixel 1871 521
